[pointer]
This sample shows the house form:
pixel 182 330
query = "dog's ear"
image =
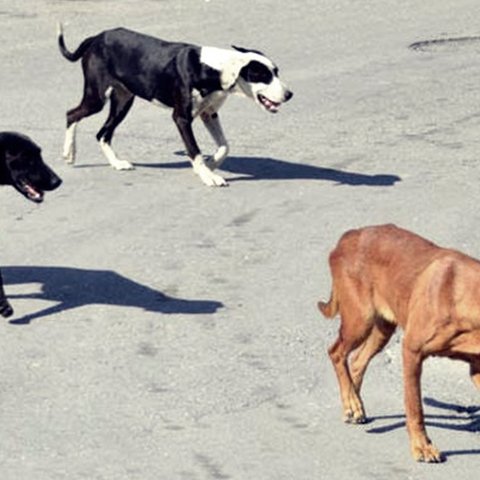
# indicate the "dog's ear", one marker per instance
pixel 239 49
pixel 231 70
pixel 247 50
pixel 226 62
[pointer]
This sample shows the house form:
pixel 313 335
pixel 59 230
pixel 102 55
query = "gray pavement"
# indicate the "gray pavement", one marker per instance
pixel 165 330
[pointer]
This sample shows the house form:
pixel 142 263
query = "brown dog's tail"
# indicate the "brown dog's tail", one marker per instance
pixel 78 53
pixel 330 309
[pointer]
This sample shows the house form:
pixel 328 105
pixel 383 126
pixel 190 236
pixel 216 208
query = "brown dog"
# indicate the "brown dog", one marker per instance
pixel 384 276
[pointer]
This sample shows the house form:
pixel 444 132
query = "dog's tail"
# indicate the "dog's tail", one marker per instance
pixel 78 53
pixel 330 309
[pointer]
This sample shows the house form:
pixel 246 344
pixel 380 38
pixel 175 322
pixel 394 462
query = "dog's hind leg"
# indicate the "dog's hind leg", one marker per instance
pixel 211 121
pixel 381 333
pixel 69 146
pixel 95 84
pixel 91 103
pixel 354 329
pixel 120 103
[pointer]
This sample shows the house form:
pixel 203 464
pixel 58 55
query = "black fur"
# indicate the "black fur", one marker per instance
pixel 140 65
pixel 121 64
pixel 22 167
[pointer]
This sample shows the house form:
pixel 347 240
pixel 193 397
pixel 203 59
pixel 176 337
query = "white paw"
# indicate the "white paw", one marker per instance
pixel 122 165
pixel 219 181
pixel 207 176
pixel 69 157
pixel 112 158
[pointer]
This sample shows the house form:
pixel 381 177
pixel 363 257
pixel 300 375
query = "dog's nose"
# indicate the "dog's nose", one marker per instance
pixel 53 182
pixel 56 183
pixel 288 95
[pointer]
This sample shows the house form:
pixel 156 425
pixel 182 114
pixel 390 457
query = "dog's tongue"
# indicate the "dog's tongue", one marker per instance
pixel 270 105
pixel 33 194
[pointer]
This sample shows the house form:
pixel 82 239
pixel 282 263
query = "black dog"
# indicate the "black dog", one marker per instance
pixel 22 167
pixel 194 81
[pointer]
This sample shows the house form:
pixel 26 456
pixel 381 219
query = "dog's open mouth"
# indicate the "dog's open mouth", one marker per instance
pixel 269 105
pixel 32 193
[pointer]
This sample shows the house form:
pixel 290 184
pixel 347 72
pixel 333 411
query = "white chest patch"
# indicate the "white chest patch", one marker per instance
pixel 211 102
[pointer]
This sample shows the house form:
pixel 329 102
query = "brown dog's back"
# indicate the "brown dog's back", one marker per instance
pixel 386 269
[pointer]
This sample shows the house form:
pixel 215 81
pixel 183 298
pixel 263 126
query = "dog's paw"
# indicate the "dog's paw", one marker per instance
pixel 122 165
pixel 354 418
pixel 208 177
pixel 69 157
pixel 116 163
pixel 215 181
pixel 427 453
pixel 6 309
pixel 353 411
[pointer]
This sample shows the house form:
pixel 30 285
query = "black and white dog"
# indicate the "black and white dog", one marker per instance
pixel 120 64
pixel 22 166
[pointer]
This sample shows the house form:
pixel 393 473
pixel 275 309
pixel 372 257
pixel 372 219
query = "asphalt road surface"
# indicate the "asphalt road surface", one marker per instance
pixel 165 330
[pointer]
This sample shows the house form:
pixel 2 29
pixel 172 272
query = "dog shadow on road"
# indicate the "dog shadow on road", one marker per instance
pixel 458 418
pixel 74 287
pixel 258 168
pixel 263 168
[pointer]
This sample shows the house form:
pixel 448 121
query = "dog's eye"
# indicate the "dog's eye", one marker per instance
pixel 257 72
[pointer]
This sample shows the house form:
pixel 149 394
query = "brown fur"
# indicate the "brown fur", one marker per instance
pixel 384 276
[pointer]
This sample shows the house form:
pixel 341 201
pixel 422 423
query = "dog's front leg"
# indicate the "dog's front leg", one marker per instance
pixel 184 125
pixel 5 308
pixel 211 121
pixel 420 445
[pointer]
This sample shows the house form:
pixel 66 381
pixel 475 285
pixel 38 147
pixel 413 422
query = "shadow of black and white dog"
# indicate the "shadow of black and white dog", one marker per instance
pixel 22 167
pixel 120 64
